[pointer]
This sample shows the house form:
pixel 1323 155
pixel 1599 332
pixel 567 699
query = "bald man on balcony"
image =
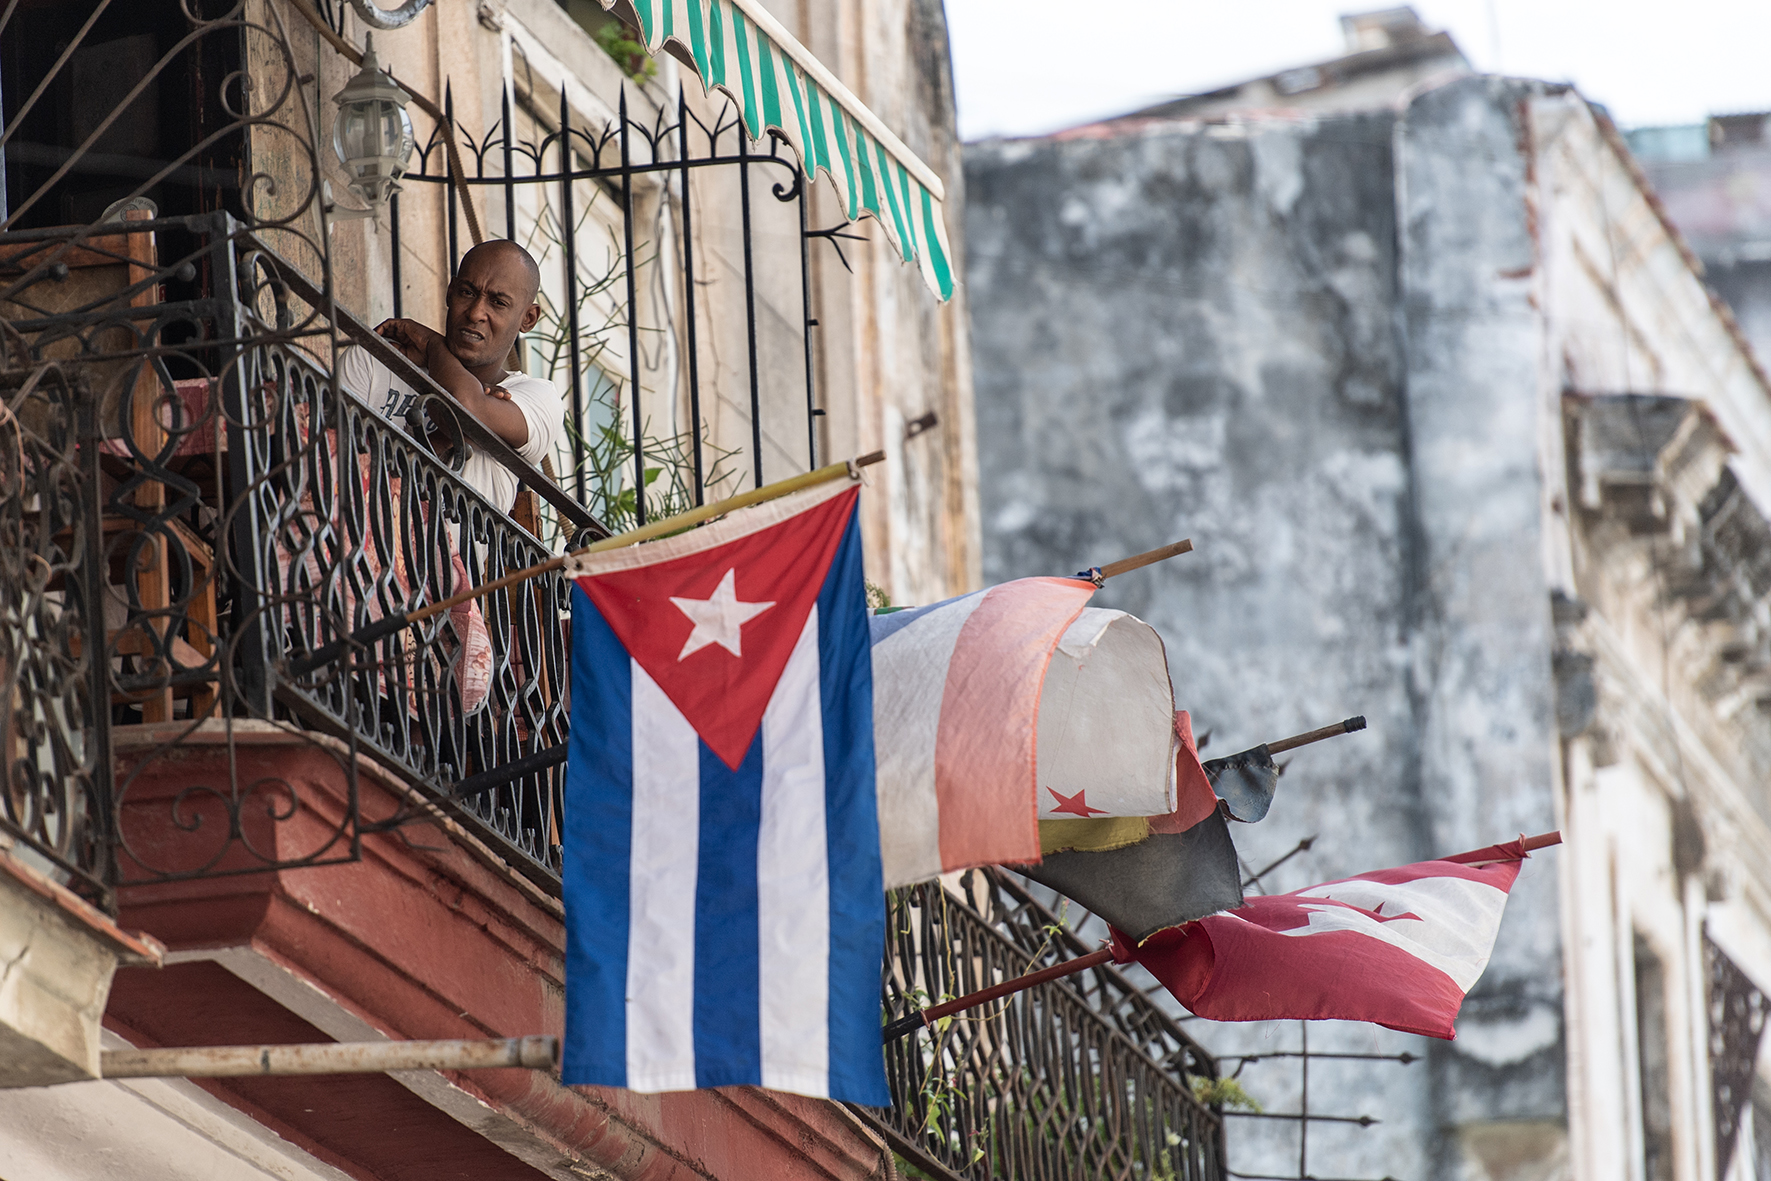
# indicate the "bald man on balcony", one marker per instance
pixel 490 301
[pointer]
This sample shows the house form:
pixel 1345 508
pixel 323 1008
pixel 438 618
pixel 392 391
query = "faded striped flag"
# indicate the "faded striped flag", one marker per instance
pixel 1397 947
pixel 1018 702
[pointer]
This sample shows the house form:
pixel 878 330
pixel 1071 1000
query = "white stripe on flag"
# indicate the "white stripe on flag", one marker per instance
pixel 1450 922
pixel 909 684
pixel 793 880
pixel 661 907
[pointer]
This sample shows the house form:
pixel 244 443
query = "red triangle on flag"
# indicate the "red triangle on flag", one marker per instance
pixel 715 628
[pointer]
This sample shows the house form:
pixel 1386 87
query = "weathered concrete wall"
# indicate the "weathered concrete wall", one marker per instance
pixel 1477 405
pixel 1191 333
pixel 1213 332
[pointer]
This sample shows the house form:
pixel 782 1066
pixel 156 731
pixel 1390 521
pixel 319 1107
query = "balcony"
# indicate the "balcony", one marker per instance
pixel 197 534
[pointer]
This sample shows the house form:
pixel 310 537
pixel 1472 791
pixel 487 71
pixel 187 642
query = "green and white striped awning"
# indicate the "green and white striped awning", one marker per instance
pixel 739 48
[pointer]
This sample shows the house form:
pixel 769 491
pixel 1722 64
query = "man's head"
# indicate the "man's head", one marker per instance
pixel 491 300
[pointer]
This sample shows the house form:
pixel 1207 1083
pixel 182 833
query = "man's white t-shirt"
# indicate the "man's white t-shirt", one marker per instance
pixel 538 399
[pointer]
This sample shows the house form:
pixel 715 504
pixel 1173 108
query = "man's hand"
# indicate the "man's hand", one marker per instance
pixel 429 349
pixel 411 338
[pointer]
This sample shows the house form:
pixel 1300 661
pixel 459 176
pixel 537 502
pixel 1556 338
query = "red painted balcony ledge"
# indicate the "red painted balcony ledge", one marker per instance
pixel 430 934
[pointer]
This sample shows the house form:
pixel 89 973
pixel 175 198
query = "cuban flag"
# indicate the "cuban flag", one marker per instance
pixel 725 911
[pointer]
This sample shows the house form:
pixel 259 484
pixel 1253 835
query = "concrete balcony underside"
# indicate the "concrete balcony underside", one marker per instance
pixel 428 935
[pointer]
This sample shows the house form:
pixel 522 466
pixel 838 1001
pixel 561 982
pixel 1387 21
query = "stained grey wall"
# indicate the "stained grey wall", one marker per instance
pixel 1220 333
pixel 1479 412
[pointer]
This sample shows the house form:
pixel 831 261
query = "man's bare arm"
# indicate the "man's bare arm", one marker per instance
pixel 428 348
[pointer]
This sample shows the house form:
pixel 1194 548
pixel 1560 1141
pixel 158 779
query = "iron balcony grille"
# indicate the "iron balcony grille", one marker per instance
pixel 257 513
pixel 1083 1078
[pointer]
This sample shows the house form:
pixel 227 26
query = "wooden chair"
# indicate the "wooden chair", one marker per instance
pixel 106 264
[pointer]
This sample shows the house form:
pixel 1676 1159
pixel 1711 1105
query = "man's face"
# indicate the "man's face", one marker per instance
pixel 489 303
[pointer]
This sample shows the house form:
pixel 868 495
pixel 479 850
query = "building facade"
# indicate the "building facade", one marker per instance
pixel 1464 444
pixel 1714 179
pixel 232 815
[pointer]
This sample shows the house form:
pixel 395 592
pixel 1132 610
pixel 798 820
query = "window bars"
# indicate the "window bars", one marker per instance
pixel 658 173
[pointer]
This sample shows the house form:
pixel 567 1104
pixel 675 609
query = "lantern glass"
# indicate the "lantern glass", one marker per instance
pixel 373 139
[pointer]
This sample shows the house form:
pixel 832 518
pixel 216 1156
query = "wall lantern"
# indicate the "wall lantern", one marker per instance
pixel 372 134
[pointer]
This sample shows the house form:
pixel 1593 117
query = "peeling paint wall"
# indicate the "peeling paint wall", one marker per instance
pixel 1196 332
pixel 1481 640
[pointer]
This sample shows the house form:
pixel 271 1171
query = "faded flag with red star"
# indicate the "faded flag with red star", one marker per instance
pixel 725 916
pixel 998 710
pixel 1397 947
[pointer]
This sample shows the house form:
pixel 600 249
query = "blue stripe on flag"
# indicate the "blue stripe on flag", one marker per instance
pixel 895 621
pixel 728 1036
pixel 598 831
pixel 857 890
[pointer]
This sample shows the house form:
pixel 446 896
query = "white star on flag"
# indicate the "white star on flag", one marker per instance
pixel 719 618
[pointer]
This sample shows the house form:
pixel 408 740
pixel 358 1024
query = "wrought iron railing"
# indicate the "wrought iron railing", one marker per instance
pixel 355 518
pixel 56 768
pixel 1079 1078
pixel 201 532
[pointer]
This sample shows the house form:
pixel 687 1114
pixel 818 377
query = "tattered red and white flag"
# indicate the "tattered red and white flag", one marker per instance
pixel 1398 947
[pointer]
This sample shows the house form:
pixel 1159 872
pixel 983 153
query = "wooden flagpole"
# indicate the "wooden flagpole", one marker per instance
pixel 1334 731
pixel 924 1018
pixel 1139 561
pixel 387 625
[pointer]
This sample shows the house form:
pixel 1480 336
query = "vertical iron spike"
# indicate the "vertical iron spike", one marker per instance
pixel 393 233
pixel 1304 1106
pixel 570 245
pixel 756 420
pixel 448 141
pixel 807 319
pixel 510 185
pixel 633 327
pixel 682 127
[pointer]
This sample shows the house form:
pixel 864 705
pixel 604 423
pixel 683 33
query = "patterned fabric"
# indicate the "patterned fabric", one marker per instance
pixel 739 48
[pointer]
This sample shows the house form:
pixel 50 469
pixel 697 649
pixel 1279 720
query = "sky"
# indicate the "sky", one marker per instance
pixel 1025 67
